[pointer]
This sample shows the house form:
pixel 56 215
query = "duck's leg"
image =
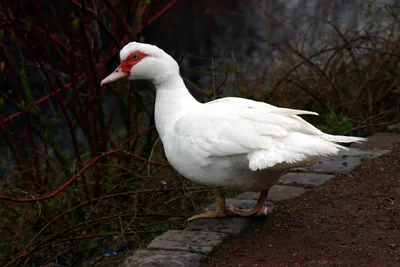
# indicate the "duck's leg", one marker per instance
pixel 259 210
pixel 221 211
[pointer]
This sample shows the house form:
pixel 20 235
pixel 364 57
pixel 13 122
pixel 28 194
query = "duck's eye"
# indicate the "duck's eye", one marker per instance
pixel 135 57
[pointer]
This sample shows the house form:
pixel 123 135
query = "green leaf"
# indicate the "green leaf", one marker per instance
pixel 21 105
pixel 75 24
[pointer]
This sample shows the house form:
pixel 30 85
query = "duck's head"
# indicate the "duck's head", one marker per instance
pixel 141 61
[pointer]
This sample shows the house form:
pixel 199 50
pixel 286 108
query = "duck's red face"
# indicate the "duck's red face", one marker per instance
pixel 124 68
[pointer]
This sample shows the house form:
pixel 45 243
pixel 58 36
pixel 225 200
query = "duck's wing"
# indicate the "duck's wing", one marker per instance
pixel 266 134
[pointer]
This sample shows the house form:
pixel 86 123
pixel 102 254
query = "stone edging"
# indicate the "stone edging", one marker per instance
pixel 188 247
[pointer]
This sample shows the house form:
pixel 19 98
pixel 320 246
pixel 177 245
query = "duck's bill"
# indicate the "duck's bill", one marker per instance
pixel 116 75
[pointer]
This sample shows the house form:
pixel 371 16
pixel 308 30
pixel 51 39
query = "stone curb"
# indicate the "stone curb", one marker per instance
pixel 188 247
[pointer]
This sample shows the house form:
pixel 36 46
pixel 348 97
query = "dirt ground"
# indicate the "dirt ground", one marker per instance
pixel 353 220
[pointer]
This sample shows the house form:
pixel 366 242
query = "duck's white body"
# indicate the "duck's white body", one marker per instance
pixel 236 143
pixel 232 143
pixel 188 134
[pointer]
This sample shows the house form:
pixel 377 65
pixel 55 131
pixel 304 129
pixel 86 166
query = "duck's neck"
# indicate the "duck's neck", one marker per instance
pixel 173 100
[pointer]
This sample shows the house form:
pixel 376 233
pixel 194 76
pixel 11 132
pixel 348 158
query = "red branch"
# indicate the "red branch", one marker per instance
pixel 148 161
pixel 87 166
pixel 41 100
pixel 162 12
pixel 65 185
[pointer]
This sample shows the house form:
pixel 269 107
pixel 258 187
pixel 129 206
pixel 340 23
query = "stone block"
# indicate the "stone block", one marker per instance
pixel 203 242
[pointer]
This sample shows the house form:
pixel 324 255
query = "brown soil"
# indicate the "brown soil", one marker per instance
pixel 354 220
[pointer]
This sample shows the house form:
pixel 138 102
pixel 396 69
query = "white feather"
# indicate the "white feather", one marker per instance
pixel 267 135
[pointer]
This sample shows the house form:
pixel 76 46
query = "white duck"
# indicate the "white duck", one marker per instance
pixel 233 143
